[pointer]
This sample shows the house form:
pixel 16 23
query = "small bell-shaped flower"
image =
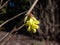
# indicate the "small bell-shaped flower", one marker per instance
pixel 32 23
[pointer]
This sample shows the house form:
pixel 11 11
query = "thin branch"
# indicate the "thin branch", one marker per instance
pixel 4 37
pixel 33 5
pixel 14 29
pixel 4 4
pixel 30 2
pixel 20 13
pixel 12 18
pixel 10 37
pixel 1 2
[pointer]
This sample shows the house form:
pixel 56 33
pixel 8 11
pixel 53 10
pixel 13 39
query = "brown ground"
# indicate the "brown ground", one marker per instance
pixel 18 39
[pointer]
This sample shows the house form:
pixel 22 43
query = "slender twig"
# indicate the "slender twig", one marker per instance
pixel 8 34
pixel 14 29
pixel 4 4
pixel 7 40
pixel 12 18
pixel 33 5
pixel 21 27
pixel 1 2
pixel 20 13
pixel 30 2
pixel 4 37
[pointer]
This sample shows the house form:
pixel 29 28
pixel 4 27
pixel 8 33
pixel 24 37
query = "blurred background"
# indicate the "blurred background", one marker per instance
pixel 46 11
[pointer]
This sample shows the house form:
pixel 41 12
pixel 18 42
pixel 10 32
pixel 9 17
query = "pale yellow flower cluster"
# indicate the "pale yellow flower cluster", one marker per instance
pixel 32 24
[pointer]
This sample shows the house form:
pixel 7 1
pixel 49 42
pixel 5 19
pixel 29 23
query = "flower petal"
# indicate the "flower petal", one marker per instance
pixel 29 29
pixel 34 30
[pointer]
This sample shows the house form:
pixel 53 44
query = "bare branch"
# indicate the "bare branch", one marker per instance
pixel 32 7
pixel 4 37
pixel 9 38
pixel 14 29
pixel 1 2
pixel 4 4
pixel 12 18
pixel 20 13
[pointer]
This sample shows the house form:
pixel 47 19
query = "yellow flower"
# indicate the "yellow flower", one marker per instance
pixel 34 30
pixel 35 20
pixel 31 23
pixel 29 28
pixel 35 26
